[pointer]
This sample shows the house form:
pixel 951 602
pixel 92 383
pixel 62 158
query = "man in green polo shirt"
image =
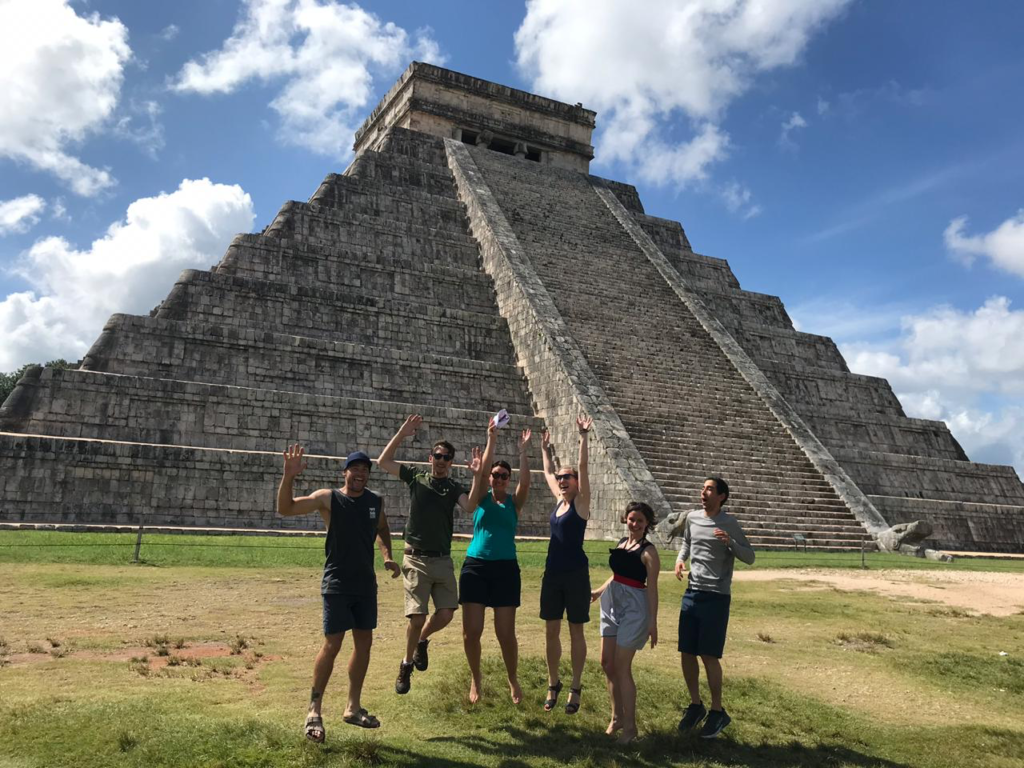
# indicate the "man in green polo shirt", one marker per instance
pixel 427 568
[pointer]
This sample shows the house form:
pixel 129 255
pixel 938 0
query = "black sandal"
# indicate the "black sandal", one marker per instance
pixel 572 707
pixel 552 699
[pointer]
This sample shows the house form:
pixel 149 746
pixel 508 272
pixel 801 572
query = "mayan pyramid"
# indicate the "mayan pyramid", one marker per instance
pixel 467 261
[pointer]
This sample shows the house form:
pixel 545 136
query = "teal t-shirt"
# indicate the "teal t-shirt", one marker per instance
pixel 494 529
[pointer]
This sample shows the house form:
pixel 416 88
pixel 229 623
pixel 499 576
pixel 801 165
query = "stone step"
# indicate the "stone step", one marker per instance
pixel 421 275
pixel 888 474
pixel 102 406
pixel 338 191
pixel 351 315
pixel 143 346
pixel 397 170
pixel 314 222
pixel 84 482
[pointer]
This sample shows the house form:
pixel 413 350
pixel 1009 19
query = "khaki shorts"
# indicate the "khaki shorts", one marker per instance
pixel 426 577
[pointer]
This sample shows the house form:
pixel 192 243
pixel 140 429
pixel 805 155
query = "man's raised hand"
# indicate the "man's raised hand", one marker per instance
pixel 584 423
pixel 474 463
pixel 293 461
pixel 524 438
pixel 410 426
pixel 545 440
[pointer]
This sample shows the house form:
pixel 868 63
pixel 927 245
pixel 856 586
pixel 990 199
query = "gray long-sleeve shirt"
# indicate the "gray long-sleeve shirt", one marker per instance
pixel 711 560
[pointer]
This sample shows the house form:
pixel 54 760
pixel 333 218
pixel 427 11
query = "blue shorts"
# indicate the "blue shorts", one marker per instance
pixel 703 619
pixel 345 612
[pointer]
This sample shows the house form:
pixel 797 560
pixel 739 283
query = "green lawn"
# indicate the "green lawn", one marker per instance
pixel 814 676
pixel 166 550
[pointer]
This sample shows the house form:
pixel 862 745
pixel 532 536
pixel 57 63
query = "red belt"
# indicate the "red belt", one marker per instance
pixel 629 582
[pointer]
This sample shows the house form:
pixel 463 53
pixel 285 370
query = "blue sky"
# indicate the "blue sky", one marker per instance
pixel 862 160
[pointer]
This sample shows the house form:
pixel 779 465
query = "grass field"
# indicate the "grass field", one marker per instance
pixel 202 657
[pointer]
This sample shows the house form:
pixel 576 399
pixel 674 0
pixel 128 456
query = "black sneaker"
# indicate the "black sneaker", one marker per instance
pixel 715 724
pixel 692 716
pixel 404 681
pixel 420 658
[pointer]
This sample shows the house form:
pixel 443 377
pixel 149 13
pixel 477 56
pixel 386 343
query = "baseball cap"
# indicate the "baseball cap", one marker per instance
pixel 355 457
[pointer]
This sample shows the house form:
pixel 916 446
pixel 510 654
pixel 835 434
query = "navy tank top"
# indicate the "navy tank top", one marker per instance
pixel 565 548
pixel 627 562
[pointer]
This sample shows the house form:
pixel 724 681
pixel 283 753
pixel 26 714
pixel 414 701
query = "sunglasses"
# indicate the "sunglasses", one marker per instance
pixel 500 475
pixel 443 456
pixel 566 476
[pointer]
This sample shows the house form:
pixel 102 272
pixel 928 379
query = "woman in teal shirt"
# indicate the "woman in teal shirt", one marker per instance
pixel 490 573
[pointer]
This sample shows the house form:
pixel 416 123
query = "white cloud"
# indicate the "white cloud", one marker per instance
pixel 965 368
pixel 326 51
pixel 20 214
pixel 148 132
pixel 956 351
pixel 169 32
pixel 823 106
pixel 1004 245
pixel 795 121
pixel 645 66
pixel 737 198
pixel 60 78
pixel 130 270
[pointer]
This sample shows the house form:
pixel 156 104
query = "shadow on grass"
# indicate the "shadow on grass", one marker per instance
pixel 569 747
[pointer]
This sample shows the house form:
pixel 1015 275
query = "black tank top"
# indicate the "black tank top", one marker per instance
pixel 627 562
pixel 348 569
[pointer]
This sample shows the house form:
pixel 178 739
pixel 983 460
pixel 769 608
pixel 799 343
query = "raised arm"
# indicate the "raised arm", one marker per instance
pixel 583 424
pixel 651 559
pixel 386 460
pixel 523 487
pixel 549 464
pixel 287 504
pixel 483 463
pixel 384 543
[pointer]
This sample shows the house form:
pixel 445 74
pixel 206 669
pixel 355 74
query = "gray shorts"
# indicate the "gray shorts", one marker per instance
pixel 624 615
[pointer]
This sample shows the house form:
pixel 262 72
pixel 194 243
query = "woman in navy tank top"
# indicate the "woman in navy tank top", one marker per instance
pixel 565 588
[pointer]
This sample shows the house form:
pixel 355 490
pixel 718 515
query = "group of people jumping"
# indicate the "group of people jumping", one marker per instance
pixel 490 576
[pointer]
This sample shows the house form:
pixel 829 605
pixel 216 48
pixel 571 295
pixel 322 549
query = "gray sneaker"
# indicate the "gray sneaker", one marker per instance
pixel 715 724
pixel 404 681
pixel 692 716
pixel 419 658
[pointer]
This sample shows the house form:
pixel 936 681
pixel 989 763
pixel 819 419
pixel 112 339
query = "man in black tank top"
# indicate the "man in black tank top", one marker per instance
pixel 354 517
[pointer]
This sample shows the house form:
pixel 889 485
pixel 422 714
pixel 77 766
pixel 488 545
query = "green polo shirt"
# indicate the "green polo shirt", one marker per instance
pixel 431 509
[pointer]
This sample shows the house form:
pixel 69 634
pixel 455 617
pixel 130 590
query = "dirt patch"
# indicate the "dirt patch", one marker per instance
pixel 997 594
pixel 197 652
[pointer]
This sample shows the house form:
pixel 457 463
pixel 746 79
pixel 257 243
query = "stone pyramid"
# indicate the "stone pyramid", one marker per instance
pixel 467 261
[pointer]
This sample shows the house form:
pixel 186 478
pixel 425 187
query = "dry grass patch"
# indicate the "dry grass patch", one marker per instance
pixel 865 642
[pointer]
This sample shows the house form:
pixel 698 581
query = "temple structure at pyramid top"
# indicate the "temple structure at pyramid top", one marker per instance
pixel 468 261
pixel 448 104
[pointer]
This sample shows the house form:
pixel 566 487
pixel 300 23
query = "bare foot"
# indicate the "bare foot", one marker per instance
pixel 627 735
pixel 613 727
pixel 474 692
pixel 517 692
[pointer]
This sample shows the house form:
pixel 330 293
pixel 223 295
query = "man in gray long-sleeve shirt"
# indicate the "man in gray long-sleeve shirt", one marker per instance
pixel 712 540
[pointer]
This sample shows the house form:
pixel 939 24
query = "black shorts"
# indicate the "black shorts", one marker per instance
pixel 493 583
pixel 566 593
pixel 345 612
pixel 703 620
